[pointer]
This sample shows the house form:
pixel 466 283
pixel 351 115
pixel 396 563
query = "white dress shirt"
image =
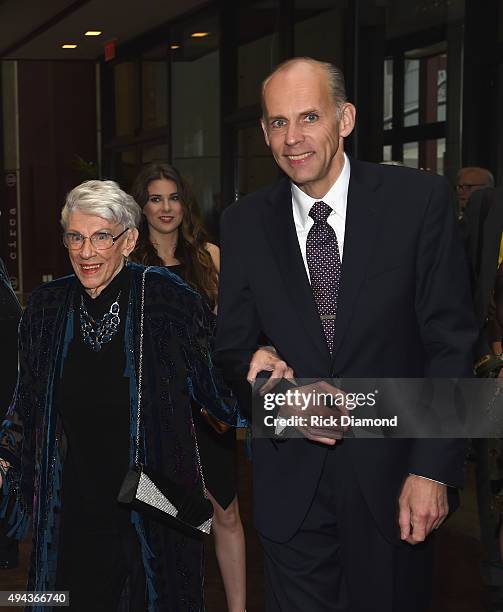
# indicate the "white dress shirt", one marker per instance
pixel 336 198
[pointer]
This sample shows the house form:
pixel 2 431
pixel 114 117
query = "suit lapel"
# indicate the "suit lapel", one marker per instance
pixel 359 239
pixel 282 236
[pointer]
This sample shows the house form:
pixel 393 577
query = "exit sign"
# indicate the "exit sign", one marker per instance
pixel 110 49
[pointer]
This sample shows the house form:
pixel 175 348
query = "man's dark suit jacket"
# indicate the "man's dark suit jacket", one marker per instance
pixel 404 310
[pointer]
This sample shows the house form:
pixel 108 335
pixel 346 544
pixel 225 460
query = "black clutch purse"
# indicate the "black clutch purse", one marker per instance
pixel 155 495
pixel 165 501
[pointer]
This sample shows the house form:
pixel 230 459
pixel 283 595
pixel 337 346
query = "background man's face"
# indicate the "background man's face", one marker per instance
pixel 301 128
pixel 469 180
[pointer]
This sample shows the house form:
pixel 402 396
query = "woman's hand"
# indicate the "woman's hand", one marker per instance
pixel 266 359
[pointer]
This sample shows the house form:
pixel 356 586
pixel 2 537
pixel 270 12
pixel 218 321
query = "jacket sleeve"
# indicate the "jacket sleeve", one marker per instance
pixel 207 384
pixel 238 329
pixel 10 314
pixel 17 438
pixel 444 311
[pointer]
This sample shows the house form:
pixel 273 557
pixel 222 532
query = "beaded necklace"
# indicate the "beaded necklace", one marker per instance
pixel 96 333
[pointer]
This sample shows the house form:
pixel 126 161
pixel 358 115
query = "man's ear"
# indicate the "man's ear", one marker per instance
pixel 347 120
pixel 264 129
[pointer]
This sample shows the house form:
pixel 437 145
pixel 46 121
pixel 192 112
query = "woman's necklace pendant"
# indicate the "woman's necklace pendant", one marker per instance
pixel 97 333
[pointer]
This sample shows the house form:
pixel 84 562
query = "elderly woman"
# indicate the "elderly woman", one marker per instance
pixel 70 434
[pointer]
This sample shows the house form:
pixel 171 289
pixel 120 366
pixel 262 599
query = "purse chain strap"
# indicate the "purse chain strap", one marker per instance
pixel 140 367
pixel 140 373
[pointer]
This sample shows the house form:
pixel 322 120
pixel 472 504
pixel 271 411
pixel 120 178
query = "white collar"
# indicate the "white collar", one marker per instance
pixel 336 197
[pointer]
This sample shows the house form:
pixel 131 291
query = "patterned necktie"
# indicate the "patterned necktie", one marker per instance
pixel 324 263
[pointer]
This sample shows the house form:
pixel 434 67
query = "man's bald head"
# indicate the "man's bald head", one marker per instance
pixel 334 77
pixel 470 179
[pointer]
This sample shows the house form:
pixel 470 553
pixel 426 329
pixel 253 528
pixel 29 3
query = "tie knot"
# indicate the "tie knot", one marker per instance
pixel 320 212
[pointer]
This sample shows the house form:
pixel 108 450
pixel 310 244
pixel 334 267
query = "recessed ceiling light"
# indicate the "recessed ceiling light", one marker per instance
pixel 93 33
pixel 69 46
pixel 200 34
pixel 175 46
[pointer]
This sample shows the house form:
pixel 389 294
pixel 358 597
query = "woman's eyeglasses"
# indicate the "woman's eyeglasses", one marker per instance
pixel 99 240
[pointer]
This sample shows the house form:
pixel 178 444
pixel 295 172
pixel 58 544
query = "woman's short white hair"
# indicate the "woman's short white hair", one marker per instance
pixel 103 199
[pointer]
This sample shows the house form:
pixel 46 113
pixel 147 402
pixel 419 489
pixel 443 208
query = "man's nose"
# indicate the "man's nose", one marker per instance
pixel 293 134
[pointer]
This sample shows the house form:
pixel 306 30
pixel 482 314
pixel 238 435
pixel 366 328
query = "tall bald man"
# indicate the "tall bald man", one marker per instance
pixel 354 270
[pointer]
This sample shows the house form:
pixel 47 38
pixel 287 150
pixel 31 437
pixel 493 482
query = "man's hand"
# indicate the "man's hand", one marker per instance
pixel 266 359
pixel 423 507
pixel 312 408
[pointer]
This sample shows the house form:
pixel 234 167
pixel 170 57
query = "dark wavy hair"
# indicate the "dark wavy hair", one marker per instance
pixel 191 252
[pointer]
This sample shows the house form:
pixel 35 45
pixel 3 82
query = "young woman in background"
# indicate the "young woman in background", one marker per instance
pixel 172 235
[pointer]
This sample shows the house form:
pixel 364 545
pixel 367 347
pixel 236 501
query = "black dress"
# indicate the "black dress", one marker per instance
pixel 93 403
pixel 218 451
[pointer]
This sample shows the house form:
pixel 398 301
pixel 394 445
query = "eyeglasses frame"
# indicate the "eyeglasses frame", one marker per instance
pixel 84 238
pixel 468 186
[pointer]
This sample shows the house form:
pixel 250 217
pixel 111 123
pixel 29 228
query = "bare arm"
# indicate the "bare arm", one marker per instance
pixel 214 252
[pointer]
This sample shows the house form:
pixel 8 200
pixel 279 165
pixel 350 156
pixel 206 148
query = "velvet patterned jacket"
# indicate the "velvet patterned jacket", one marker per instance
pixel 177 370
pixel 10 313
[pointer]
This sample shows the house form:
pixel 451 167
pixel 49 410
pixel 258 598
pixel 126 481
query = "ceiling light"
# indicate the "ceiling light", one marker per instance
pixel 175 46
pixel 69 46
pixel 93 33
pixel 200 34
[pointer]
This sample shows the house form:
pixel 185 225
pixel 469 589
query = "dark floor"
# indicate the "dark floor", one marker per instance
pixel 456 585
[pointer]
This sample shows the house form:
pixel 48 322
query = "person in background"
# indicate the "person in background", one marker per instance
pixel 469 180
pixel 171 234
pixel 10 314
pixel 484 244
